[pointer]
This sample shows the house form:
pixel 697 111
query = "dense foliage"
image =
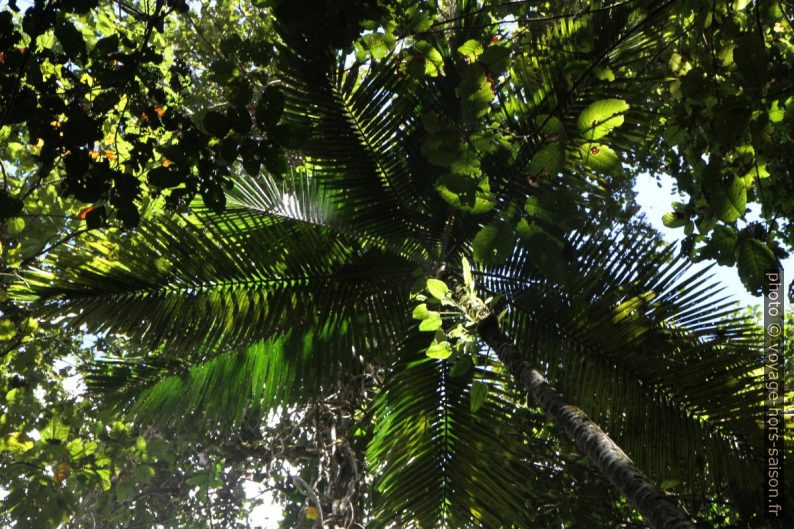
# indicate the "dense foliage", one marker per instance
pixel 207 206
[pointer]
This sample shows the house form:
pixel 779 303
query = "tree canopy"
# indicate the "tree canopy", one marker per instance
pixel 258 235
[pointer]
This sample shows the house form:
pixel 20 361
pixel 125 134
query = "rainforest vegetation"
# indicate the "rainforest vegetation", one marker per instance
pixel 384 260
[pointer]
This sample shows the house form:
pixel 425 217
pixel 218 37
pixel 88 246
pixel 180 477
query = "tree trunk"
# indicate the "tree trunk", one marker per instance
pixel 660 510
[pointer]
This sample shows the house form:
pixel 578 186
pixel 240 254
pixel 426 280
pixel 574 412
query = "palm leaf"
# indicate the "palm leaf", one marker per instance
pixel 232 279
pixel 217 394
pixel 637 334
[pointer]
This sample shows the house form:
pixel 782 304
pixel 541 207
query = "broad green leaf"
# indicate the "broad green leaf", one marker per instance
pixel 721 246
pixel 15 442
pixel 547 161
pixel 75 448
pixel 160 451
pixel 439 350
pixel 15 226
pixel 679 65
pixel 420 312
pixel 55 431
pixel 437 288
pixel 478 201
pixel 726 200
pixel 545 252
pixel 433 61
pixel 144 473
pixel 495 58
pixel 476 92
pixel 550 125
pixel 478 394
pixel 9 206
pixel 462 366
pixel 125 489
pixel 200 479
pixel 269 108
pixel 600 117
pixel 674 219
pixel 164 177
pixel 603 73
pixel 750 58
pixel 471 49
pixel 431 323
pixel 754 258
pixel 494 243
pixel 71 39
pixel 600 158
pixel 216 123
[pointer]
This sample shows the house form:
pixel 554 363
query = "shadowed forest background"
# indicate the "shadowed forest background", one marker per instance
pixel 382 260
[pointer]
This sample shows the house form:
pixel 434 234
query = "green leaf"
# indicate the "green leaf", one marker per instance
pixel 420 312
pixel 164 177
pixel 477 200
pixel 9 206
pixel 231 44
pixel 475 92
pixel 468 280
pixel 7 329
pixel 15 226
pixel 726 200
pixel 276 161
pixel 674 219
pixel 125 490
pixel 433 61
pixel 603 73
pixel 750 58
pixel 55 431
pixel 95 218
pixel 144 473
pixel 494 243
pixel 471 49
pixel 754 258
pixel 75 448
pixel 600 117
pixel 431 323
pixel 547 161
pixel 478 394
pixel 269 108
pixel 222 71
pixel 160 451
pixel 462 366
pixel 199 479
pixel 71 39
pixel 600 158
pixel 550 125
pixel 545 252
pixel 439 350
pixel 437 288
pixel 216 123
pixel 721 246
pixel 495 58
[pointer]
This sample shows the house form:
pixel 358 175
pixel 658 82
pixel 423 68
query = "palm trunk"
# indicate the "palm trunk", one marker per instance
pixel 660 510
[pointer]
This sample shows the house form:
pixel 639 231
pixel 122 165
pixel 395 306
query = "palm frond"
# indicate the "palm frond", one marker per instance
pixel 301 198
pixel 637 334
pixel 439 464
pixel 217 394
pixel 231 280
pixel 357 124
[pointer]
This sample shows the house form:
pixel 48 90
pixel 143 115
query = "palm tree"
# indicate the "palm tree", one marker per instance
pixel 310 278
pixel 283 270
